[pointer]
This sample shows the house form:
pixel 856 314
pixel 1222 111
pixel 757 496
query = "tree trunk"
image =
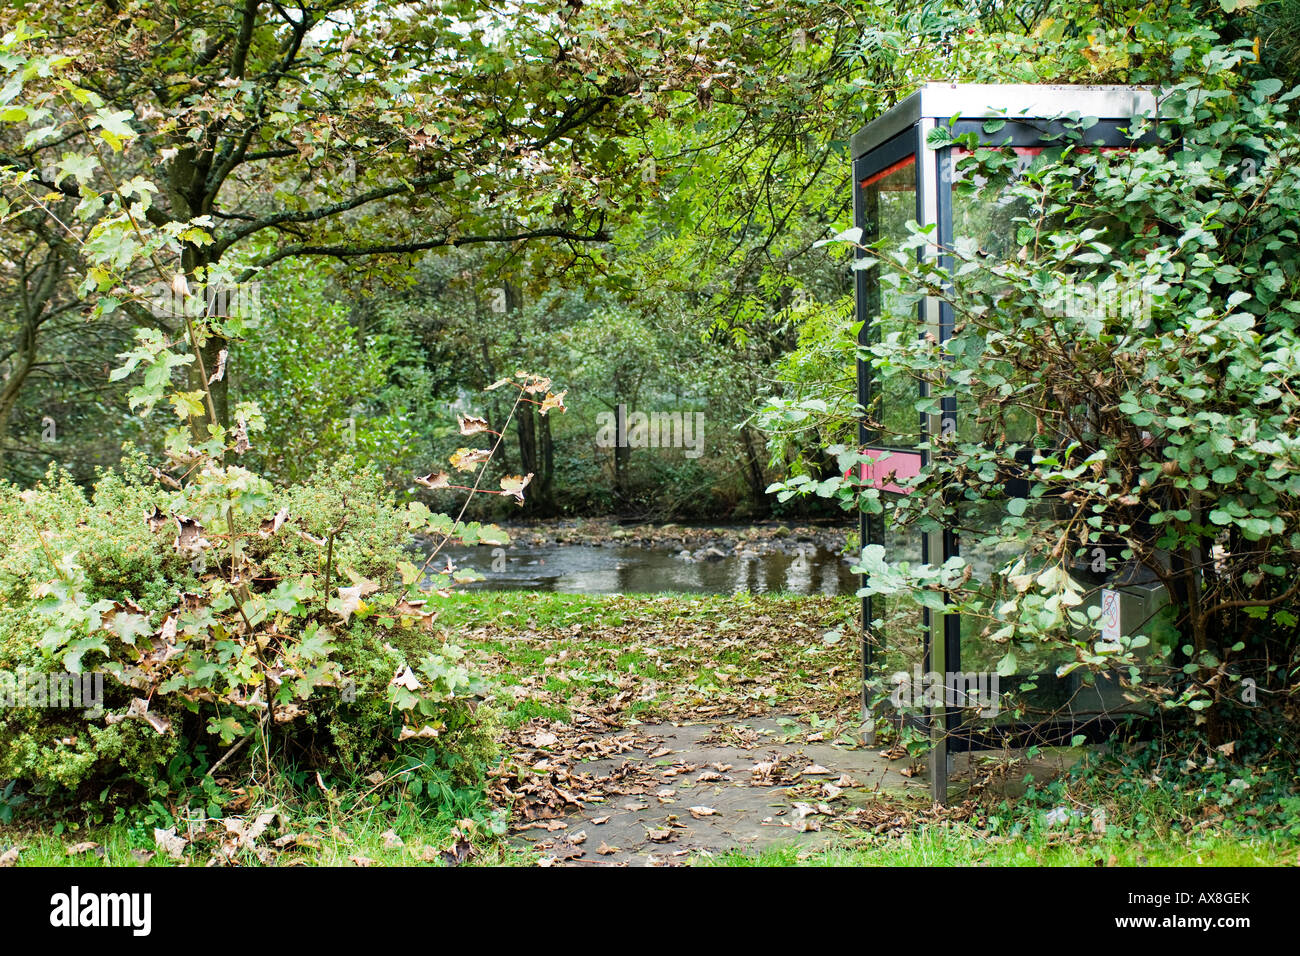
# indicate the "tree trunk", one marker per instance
pixel 621 454
pixel 220 389
pixel 496 417
pixel 754 472
pixel 9 390
pixel 526 433
pixel 24 355
pixel 537 457
pixel 546 472
pixel 194 262
pixel 6 408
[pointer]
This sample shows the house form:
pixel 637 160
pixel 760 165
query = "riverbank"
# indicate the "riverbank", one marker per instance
pixel 714 540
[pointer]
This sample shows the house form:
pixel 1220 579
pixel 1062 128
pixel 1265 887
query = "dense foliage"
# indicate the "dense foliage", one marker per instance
pixel 117 582
pixel 648 232
pixel 1127 359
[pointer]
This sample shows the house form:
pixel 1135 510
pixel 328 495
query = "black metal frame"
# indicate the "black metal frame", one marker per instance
pixel 871 527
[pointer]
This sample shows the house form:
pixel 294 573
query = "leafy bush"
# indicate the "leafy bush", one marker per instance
pixel 125 581
pixel 218 606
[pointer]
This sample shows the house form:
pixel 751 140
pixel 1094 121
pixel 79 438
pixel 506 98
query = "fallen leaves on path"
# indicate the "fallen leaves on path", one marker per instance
pixel 601 683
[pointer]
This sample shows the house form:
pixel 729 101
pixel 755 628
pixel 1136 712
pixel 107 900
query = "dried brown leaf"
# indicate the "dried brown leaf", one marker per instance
pixel 169 842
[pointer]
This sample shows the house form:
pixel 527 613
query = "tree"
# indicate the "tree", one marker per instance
pixel 344 129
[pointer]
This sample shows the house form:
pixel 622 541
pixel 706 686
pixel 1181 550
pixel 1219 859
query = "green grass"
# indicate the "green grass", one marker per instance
pixel 365 840
pixel 699 649
pixel 362 841
pixel 525 609
pixel 546 609
pixel 937 847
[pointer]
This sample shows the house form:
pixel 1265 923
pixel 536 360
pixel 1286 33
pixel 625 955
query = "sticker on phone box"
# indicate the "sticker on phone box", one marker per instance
pixel 889 468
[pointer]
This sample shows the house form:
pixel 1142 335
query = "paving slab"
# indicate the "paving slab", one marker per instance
pixel 713 787
pixel 685 790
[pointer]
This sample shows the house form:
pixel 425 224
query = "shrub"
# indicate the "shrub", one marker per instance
pixel 117 582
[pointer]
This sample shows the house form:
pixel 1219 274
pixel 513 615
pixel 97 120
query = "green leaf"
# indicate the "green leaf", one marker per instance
pixel 228 727
pixel 1008 664
pixel 317 642
pixel 1266 88
pixel 1254 528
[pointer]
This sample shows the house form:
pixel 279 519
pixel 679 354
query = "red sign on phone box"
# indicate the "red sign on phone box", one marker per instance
pixel 1110 622
pixel 889 469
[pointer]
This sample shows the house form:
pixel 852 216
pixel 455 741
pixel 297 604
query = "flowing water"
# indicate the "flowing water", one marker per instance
pixel 595 569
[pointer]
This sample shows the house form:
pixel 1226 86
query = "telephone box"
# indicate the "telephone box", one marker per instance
pixel 899 177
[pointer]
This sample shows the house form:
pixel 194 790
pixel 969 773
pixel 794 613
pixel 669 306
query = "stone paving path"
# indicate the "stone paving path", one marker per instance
pixel 708 788
pixel 714 787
